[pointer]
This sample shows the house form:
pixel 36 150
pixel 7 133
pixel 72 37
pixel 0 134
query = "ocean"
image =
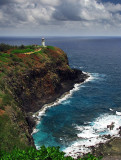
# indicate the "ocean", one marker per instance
pixel 79 120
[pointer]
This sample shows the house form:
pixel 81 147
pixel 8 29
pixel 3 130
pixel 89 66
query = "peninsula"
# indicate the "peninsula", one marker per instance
pixel 30 76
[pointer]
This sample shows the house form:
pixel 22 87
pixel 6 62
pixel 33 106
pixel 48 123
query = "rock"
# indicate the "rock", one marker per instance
pixel 107 136
pixel 111 126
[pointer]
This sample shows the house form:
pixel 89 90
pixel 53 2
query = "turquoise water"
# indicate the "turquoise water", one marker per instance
pixel 81 119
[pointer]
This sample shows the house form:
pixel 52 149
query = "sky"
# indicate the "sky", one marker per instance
pixel 60 17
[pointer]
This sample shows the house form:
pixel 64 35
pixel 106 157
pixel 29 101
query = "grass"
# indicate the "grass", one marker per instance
pixel 51 47
pixel 22 50
pixel 4 57
pixel 9 134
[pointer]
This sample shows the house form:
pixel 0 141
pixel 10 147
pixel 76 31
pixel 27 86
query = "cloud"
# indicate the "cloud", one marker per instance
pixel 81 10
pixel 89 13
pixel 4 2
pixel 70 14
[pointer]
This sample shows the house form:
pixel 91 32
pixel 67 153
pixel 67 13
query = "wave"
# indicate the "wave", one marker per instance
pixel 111 109
pixel 81 67
pixel 77 67
pixel 98 76
pixel 118 113
pixel 35 131
pixel 93 134
pixel 66 102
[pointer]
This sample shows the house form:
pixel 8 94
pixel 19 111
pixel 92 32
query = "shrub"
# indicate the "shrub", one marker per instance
pixel 49 153
pixel 15 58
pixel 5 47
pixel 22 47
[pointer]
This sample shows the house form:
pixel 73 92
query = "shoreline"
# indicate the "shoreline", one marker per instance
pixel 38 115
pixel 94 141
pixel 95 149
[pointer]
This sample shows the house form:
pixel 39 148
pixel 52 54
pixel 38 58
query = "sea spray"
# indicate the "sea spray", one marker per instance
pixel 93 134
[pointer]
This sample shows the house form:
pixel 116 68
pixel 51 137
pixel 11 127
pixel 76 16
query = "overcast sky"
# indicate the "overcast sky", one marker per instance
pixel 60 17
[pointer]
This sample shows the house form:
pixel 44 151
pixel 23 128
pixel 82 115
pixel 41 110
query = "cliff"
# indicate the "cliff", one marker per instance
pixel 30 77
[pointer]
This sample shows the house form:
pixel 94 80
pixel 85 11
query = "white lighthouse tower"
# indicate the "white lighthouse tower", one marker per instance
pixel 43 42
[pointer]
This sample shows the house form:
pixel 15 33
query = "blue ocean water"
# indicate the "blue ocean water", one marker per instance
pixel 81 119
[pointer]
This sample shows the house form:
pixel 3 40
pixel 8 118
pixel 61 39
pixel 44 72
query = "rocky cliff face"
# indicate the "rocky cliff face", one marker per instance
pixel 39 85
pixel 36 79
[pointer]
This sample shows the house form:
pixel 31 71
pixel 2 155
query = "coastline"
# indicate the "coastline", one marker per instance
pixel 98 149
pixel 65 95
pixel 94 142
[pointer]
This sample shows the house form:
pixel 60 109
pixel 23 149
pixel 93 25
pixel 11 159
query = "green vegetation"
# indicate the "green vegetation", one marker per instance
pixel 4 57
pixel 9 134
pixel 49 153
pixel 5 47
pixel 22 50
pixel 51 47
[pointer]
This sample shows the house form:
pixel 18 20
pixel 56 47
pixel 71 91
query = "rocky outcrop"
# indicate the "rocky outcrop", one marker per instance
pixel 109 150
pixel 38 86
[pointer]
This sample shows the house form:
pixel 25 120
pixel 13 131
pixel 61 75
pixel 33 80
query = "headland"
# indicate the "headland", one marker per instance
pixel 30 77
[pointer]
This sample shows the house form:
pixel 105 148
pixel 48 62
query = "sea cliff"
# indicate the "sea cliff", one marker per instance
pixel 29 78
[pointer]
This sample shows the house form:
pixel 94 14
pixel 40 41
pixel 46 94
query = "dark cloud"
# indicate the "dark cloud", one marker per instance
pixel 67 11
pixel 5 2
pixel 111 1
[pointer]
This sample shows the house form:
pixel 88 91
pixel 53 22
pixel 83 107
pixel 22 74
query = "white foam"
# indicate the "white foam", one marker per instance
pixel 93 134
pixel 66 102
pixel 90 78
pixel 80 67
pixel 118 113
pixel 35 131
pixel 97 76
pixel 110 109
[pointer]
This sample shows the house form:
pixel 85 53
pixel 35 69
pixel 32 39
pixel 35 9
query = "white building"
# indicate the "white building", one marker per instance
pixel 43 42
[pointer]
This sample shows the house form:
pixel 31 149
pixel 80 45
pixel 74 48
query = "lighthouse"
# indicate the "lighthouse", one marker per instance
pixel 43 42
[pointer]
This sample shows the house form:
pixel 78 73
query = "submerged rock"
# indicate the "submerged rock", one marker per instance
pixel 111 126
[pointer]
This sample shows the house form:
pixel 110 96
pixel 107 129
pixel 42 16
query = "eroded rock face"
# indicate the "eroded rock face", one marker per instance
pixel 35 80
pixel 44 84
